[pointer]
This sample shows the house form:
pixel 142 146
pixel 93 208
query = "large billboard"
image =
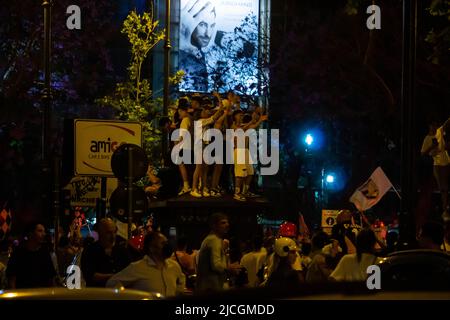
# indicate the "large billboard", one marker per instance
pixel 218 47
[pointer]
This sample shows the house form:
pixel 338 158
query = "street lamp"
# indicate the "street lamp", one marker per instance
pixel 330 178
pixel 309 139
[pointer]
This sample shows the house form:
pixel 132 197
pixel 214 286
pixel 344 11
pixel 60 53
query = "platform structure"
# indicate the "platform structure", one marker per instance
pixel 188 216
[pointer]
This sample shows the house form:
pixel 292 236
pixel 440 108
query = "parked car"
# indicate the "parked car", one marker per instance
pixel 416 270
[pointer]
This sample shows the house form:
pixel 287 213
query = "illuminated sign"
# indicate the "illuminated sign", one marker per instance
pixel 95 142
pixel 218 46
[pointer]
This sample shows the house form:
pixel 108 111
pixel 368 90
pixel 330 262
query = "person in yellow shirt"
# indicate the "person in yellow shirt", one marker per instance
pixel 434 145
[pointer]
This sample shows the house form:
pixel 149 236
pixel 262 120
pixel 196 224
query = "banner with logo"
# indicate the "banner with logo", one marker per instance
pixel 368 195
pixel 96 140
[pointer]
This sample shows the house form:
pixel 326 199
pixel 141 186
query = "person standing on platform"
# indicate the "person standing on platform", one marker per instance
pixel 212 265
pixel 199 180
pixel 186 124
pixel 221 124
pixel 244 171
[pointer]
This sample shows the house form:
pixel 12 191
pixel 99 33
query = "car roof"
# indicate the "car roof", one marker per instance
pixel 77 294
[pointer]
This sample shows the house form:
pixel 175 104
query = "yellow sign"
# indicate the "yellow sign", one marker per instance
pixel 329 218
pixel 95 142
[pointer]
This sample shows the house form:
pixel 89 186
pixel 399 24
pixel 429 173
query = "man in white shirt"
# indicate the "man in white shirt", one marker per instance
pixel 434 145
pixel 155 272
pixel 254 261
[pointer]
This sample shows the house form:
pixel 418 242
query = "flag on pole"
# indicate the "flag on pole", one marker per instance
pixel 368 195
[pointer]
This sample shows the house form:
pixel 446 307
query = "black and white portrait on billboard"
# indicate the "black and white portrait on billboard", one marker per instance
pixel 219 45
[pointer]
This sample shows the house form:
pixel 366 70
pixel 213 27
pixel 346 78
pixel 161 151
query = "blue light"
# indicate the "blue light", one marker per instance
pixel 330 178
pixel 309 139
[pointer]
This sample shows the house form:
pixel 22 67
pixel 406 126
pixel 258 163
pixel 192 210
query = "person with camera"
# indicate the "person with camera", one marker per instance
pixel 434 145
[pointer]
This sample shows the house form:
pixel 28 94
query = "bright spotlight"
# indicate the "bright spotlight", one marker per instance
pixel 330 178
pixel 309 139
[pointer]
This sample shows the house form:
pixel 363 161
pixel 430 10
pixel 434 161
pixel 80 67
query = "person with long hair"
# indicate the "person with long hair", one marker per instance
pixel 283 274
pixel 353 267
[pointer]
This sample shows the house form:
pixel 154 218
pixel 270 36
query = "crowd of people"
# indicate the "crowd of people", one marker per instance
pixel 211 180
pixel 286 260
pixel 149 261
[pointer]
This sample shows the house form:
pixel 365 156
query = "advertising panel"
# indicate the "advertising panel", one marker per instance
pixel 95 141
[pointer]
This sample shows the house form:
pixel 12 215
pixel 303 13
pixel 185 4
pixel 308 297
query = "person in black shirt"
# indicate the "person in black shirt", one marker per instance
pixel 104 258
pixel 30 265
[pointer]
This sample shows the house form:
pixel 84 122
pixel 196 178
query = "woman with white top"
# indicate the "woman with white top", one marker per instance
pixel 353 267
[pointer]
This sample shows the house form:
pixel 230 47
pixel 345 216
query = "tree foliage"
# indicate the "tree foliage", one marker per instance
pixel 439 37
pixel 133 99
pixel 330 72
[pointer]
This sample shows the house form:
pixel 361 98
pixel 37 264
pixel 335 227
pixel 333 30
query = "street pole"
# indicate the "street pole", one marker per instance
pixel 46 92
pixel 51 164
pixel 408 185
pixel 167 47
pixel 46 99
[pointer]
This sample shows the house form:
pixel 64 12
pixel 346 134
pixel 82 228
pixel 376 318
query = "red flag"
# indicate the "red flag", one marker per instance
pixel 303 228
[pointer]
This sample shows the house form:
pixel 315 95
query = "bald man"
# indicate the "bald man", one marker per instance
pixel 104 258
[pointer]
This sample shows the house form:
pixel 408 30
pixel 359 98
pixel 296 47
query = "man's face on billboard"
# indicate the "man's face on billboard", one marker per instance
pixel 205 29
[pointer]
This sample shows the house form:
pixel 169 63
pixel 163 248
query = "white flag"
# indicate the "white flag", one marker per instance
pixel 368 195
